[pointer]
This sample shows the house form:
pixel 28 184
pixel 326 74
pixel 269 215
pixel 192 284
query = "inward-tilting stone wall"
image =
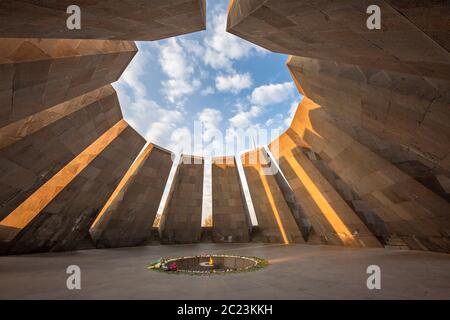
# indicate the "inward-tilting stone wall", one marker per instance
pixel 230 220
pixel 138 20
pixel 127 218
pixel 276 222
pixel 63 223
pixel 404 118
pixel 365 161
pixel 64 147
pixel 181 220
pixel 375 112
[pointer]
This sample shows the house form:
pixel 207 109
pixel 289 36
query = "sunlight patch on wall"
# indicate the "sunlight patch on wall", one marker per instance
pixel 135 166
pixel 31 207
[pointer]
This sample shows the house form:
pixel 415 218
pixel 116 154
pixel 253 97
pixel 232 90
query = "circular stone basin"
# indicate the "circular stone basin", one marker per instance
pixel 212 264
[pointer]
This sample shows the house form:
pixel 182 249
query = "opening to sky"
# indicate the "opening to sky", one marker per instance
pixel 208 93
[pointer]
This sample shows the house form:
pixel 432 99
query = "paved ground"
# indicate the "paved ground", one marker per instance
pixel 295 272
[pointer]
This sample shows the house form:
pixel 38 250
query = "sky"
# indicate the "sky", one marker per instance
pixel 207 93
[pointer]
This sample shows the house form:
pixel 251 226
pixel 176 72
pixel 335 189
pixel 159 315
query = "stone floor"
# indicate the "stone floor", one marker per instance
pixel 295 272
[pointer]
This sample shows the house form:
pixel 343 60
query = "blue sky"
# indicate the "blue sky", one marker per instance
pixel 199 92
pixel 208 93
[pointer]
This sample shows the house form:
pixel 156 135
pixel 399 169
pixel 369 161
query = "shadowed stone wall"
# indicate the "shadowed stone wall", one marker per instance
pixel 275 220
pixel 373 160
pixel 63 145
pixel 30 158
pixel 402 117
pixel 298 213
pixel 128 216
pixel 412 212
pixel 38 74
pixel 413 36
pixel 382 132
pixel 373 222
pixel 100 19
pixel 333 221
pixel 387 88
pixel 63 224
pixel 181 221
pixel 230 221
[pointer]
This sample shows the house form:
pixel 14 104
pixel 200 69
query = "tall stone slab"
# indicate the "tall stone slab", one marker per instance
pixel 402 117
pixel 332 220
pixel 58 215
pixel 275 220
pixel 181 221
pixel 230 216
pixel 127 218
pixel 413 37
pixel 298 213
pixel 32 150
pixel 411 211
pixel 37 74
pixel 111 19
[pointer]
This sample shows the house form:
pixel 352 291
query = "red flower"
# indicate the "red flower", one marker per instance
pixel 173 266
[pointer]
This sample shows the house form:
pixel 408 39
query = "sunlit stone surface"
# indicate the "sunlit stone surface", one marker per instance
pixel 365 162
pixel 47 141
pixel 58 215
pixel 402 117
pixel 375 119
pixel 128 215
pixel 275 221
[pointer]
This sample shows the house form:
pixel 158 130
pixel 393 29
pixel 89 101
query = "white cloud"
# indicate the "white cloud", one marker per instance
pixel 150 119
pixel 292 110
pixel 131 76
pixel 207 91
pixel 272 121
pixel 282 121
pixel 194 47
pixel 260 98
pixel 234 83
pixel 221 47
pixel 180 139
pixel 185 63
pixel 173 61
pixel 244 119
pixel 272 93
pixel 210 119
pixel 179 70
